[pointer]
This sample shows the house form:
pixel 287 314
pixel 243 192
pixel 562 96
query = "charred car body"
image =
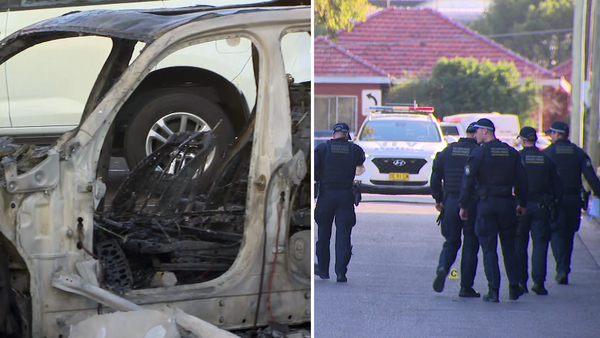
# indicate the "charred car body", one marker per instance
pixel 232 248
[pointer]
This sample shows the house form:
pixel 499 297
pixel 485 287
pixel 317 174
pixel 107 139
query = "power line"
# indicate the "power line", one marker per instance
pixel 531 33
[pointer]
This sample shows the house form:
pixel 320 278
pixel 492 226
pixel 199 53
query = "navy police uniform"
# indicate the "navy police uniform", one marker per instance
pixel 545 192
pixel 335 166
pixel 572 162
pixel 448 167
pixel 495 168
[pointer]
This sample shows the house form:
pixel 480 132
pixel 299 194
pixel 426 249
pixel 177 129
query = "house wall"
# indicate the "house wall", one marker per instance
pixel 345 90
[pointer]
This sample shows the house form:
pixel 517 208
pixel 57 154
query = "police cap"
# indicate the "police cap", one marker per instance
pixel 528 134
pixel 485 124
pixel 559 126
pixel 341 127
pixel 471 128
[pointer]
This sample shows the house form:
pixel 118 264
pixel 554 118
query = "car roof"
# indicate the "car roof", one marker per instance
pixel 138 25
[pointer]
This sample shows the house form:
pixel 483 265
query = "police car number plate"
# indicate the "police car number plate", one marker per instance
pixel 398 176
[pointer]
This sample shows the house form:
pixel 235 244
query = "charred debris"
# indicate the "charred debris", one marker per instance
pixel 164 218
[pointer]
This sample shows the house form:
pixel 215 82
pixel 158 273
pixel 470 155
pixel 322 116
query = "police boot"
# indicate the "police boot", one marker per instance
pixel 561 278
pixel 440 278
pixel 523 287
pixel 467 291
pixel 318 272
pixel 514 291
pixel 539 289
pixel 492 296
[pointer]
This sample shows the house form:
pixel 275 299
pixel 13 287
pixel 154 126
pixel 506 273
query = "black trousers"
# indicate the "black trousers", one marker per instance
pixel 452 227
pixel 496 217
pixel 563 232
pixel 338 205
pixel 537 223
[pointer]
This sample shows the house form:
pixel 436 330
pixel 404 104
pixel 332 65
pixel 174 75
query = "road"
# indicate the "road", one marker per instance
pixel 389 291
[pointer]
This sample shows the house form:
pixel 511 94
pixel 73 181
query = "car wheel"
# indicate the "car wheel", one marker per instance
pixel 160 113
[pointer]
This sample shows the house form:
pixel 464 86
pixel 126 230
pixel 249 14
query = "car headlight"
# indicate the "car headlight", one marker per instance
pixel 367 155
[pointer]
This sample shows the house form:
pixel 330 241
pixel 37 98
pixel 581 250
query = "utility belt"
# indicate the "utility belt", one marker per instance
pixel 337 185
pixel 483 192
pixel 354 186
pixel 545 201
pixel 549 202
pixel 535 197
pixel 583 194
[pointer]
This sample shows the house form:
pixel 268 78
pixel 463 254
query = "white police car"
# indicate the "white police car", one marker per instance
pixel 400 144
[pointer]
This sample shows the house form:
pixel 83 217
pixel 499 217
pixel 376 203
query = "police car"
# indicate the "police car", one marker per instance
pixel 400 143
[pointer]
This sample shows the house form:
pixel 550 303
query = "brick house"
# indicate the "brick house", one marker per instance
pixel 340 80
pixel 393 45
pixel 557 100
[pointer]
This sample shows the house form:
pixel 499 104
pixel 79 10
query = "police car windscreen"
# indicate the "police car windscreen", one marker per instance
pixel 410 131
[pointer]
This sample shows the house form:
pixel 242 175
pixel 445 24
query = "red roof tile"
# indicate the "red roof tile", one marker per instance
pixel 336 61
pixel 408 42
pixel 564 69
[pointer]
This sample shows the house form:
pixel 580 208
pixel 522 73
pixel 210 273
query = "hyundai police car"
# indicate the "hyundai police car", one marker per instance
pixel 400 144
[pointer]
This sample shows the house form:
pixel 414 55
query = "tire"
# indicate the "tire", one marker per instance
pixel 169 106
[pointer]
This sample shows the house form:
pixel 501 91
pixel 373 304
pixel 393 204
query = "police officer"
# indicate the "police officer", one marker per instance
pixel 336 163
pixel 545 192
pixel 571 161
pixel 448 167
pixel 495 168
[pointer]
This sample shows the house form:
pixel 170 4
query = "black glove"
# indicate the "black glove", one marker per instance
pixel 440 217
pixel 585 199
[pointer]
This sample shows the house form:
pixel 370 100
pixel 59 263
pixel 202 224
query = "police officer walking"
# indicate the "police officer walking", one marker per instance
pixel 545 192
pixel 448 167
pixel 336 163
pixel 495 168
pixel 572 162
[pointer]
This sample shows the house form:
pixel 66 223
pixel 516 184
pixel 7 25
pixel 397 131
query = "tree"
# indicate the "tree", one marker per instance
pixel 333 15
pixel 510 17
pixel 468 86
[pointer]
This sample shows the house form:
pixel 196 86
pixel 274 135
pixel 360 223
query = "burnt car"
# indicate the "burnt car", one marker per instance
pixel 231 247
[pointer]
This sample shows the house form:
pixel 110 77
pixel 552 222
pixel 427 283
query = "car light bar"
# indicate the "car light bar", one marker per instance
pixel 403 109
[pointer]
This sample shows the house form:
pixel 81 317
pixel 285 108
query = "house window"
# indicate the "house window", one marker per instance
pixel 330 110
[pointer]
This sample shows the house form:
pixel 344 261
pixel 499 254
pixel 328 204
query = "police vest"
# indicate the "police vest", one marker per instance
pixel 568 161
pixel 339 167
pixel 497 169
pixel 538 170
pixel 455 157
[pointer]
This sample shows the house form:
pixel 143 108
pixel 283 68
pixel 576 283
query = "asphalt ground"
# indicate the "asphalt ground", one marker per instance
pixel 389 291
